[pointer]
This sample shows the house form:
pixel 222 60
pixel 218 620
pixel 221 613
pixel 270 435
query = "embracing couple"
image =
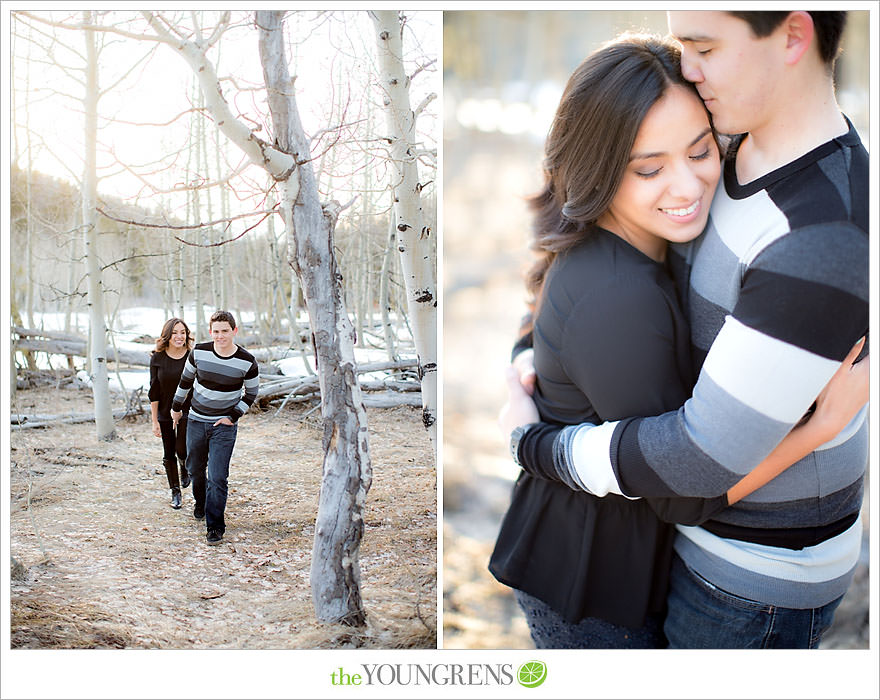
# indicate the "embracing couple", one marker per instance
pixel 695 444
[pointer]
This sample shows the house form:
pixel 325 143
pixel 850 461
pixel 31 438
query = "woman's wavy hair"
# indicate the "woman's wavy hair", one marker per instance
pixel 590 141
pixel 165 336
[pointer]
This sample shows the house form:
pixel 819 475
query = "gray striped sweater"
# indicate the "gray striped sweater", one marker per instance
pixel 776 291
pixel 216 383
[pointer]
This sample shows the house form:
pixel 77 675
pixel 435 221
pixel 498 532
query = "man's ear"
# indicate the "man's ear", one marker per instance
pixel 799 35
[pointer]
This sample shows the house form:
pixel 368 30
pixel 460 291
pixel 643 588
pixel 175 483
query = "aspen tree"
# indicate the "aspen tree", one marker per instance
pixel 414 236
pixel 106 428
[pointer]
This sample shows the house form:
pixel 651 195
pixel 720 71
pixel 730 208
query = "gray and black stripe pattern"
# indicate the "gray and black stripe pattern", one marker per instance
pixel 216 383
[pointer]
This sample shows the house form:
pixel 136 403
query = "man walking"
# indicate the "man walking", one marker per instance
pixel 777 293
pixel 216 372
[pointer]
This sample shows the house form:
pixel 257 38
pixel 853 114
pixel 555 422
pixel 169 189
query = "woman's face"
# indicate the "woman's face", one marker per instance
pixel 668 185
pixel 178 335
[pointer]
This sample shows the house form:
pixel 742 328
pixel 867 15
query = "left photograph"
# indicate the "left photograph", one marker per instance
pixel 223 300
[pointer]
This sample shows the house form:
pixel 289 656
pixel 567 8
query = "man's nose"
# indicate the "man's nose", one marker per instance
pixel 689 68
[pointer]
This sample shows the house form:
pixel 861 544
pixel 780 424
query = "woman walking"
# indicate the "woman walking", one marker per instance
pixel 166 366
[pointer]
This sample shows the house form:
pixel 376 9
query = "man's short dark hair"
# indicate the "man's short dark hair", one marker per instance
pixel 222 316
pixel 828 25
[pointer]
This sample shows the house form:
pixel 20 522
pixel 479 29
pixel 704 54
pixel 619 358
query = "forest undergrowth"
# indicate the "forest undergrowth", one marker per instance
pixel 101 560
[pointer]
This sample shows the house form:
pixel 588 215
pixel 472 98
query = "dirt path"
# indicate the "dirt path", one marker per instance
pixel 107 562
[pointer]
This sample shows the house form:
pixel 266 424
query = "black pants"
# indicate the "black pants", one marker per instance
pixel 174 448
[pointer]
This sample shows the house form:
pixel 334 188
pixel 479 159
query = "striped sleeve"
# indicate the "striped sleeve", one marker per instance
pixel 251 387
pixel 187 377
pixel 803 304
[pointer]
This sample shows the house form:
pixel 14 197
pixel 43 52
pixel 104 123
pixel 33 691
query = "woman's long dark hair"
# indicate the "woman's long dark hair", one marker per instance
pixel 165 336
pixel 590 141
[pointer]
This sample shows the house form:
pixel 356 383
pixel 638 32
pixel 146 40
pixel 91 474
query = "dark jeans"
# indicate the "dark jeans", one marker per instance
pixel 209 447
pixel 703 616
pixel 550 630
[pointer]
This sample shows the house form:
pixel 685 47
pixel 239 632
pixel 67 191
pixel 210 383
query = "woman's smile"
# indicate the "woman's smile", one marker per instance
pixel 684 214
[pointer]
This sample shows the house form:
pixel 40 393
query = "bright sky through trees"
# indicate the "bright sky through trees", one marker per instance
pixel 149 86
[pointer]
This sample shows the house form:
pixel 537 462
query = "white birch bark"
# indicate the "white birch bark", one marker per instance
pixel 106 428
pixel 414 237
pixel 347 475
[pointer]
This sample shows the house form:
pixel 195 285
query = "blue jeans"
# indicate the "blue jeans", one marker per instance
pixel 703 616
pixel 209 447
pixel 549 629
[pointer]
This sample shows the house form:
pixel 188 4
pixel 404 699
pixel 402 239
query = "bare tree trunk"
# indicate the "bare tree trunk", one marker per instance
pixel 29 243
pixel 347 471
pixel 195 144
pixel 295 338
pixel 280 307
pixel 29 215
pixel 384 292
pixel 363 260
pixel 214 271
pixel 97 330
pixel 335 571
pixel 414 237
pixel 71 273
pixel 224 213
pixel 69 308
pixel 14 317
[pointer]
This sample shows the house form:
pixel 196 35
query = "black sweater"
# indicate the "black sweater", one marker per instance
pixel 610 341
pixel 165 374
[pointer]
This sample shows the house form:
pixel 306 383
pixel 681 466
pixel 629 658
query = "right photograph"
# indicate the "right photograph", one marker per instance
pixel 655 344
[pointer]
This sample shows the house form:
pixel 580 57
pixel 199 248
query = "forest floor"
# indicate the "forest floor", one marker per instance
pixel 103 561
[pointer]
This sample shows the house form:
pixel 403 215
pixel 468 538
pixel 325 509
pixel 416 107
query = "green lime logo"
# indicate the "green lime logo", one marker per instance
pixel 531 674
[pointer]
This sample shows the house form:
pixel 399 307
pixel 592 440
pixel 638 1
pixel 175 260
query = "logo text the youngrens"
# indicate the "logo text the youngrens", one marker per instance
pixel 425 674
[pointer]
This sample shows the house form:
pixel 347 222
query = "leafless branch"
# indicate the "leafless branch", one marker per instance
pixel 50 37
pixel 96 27
pixel 133 257
pixel 424 103
pixel 221 27
pixel 420 68
pixel 160 124
pixel 128 72
pixel 185 227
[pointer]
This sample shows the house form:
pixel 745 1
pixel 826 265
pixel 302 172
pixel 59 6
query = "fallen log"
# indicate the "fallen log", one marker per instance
pixel 20 422
pixel 141 358
pixel 257 340
pixel 380 366
pixel 392 384
pixel 31 378
pixel 294 386
pixel 392 399
pixel 53 335
pixel 77 348
pixel 388 399
pixel 137 358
